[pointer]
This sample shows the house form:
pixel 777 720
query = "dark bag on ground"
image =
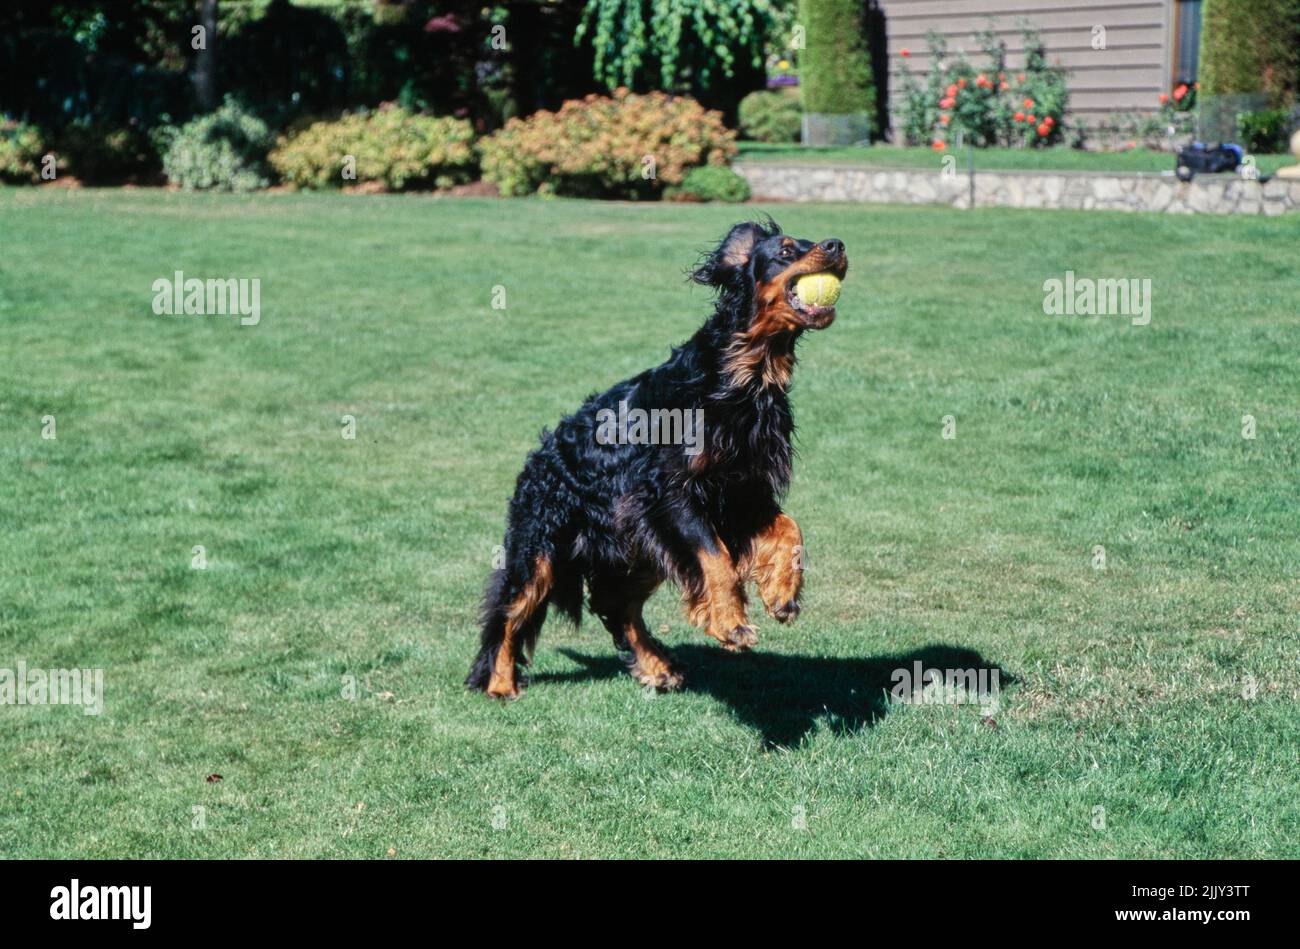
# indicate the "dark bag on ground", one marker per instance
pixel 1197 159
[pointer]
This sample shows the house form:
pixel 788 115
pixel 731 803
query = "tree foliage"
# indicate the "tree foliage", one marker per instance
pixel 674 44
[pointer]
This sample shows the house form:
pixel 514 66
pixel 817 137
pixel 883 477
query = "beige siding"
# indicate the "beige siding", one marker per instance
pixel 1128 75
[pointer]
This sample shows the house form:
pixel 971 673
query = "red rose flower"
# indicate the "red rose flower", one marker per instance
pixel 962 82
pixel 1019 116
pixel 943 120
pixel 939 146
pixel 904 52
pixel 1044 130
pixel 1180 91
pixel 1003 86
pixel 1029 103
pixel 947 103
pixel 1163 98
pixel 952 90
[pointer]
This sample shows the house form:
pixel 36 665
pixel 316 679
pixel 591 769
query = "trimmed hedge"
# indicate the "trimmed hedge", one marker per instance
pixel 1251 46
pixel 835 68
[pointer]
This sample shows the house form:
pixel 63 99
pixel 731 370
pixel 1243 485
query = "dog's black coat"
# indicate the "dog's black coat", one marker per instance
pixel 622 517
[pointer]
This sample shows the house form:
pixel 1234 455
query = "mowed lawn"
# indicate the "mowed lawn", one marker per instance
pixel 1148 709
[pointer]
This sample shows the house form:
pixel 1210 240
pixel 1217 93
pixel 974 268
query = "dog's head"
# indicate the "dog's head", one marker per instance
pixel 757 264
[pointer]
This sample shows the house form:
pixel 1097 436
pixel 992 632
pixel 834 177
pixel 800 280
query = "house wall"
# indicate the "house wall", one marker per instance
pixel 1128 75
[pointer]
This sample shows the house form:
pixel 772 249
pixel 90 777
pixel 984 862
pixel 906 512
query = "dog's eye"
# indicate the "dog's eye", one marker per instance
pixel 786 253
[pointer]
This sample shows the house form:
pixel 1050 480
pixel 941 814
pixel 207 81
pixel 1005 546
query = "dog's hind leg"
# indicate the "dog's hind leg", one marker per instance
pixel 618 600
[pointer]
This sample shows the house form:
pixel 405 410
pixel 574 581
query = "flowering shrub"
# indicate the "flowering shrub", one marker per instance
pixel 1183 98
pixel 781 71
pixel 1168 128
pixel 1176 119
pixel 21 148
pixel 985 106
pixel 619 146
pixel 393 147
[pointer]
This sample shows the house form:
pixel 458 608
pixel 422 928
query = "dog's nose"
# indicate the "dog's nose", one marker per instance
pixel 833 248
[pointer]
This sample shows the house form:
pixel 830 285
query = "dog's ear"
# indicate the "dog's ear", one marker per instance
pixel 719 266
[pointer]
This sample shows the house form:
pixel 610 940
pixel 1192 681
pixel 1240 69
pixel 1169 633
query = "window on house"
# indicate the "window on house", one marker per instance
pixel 1189 41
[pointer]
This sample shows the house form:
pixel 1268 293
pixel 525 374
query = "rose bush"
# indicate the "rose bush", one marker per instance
pixel 991 105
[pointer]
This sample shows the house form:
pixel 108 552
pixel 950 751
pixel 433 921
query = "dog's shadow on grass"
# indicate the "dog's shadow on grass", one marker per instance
pixel 783 697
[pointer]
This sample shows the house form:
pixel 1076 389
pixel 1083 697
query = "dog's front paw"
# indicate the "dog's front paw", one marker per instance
pixel 739 638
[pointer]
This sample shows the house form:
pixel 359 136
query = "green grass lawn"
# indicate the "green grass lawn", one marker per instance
pixel 1162 690
pixel 989 159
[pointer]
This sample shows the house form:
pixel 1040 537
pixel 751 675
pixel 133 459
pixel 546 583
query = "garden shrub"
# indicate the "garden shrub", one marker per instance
pixel 21 149
pixel 1265 133
pixel 771 116
pixel 392 147
pixel 990 105
pixel 99 153
pixel 224 150
pixel 603 146
pixel 710 183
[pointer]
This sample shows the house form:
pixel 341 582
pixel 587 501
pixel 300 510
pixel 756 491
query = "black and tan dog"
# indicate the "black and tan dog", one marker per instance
pixel 623 515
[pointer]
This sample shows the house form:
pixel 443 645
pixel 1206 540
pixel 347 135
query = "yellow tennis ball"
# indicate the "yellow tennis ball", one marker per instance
pixel 818 289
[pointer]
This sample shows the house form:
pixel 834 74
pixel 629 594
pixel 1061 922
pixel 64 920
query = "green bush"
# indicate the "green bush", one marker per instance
pixel 98 153
pixel 1265 133
pixel 771 116
pixel 1250 46
pixel 21 149
pixel 835 68
pixel 392 147
pixel 710 183
pixel 224 150
pixel 606 146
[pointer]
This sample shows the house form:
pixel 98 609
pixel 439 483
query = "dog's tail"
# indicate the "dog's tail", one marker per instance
pixel 514 608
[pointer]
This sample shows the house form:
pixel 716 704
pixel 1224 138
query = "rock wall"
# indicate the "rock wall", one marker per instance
pixel 1206 194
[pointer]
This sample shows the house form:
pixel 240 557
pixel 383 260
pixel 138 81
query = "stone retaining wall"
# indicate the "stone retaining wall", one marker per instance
pixel 1206 194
